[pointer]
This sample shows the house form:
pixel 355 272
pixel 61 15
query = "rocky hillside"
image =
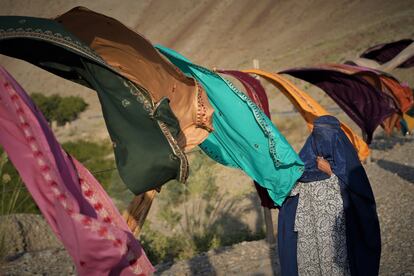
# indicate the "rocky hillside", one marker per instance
pixel 230 34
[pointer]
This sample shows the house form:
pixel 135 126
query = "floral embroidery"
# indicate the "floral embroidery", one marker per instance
pixel 143 98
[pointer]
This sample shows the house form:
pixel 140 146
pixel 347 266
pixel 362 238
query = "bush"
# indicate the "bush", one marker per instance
pixel 14 197
pixel 59 109
pixel 97 157
pixel 196 216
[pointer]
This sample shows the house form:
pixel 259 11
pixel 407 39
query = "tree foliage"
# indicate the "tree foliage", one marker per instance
pixel 59 109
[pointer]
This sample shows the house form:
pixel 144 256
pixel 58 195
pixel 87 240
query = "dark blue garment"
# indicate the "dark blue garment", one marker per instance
pixel 362 225
pixel 287 238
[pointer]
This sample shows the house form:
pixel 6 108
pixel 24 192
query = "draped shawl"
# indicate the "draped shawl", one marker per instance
pixel 143 132
pixel 363 103
pixel 72 201
pixel 243 136
pixel 400 93
pixel 362 225
pixel 134 57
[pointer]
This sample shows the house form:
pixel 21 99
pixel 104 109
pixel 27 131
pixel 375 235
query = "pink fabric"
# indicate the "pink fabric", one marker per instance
pixel 74 204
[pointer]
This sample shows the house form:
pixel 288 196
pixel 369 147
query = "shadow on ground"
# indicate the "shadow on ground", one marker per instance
pixel 403 171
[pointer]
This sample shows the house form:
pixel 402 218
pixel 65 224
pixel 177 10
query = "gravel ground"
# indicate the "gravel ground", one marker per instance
pixel 392 178
pixel 391 173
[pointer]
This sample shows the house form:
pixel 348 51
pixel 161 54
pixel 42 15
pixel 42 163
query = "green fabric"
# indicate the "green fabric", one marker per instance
pixel 146 154
pixel 243 136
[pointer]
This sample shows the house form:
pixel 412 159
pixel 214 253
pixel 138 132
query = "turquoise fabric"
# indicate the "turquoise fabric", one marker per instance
pixel 243 136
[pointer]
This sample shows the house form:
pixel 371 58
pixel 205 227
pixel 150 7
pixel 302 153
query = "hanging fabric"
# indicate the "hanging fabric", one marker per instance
pixel 258 95
pixel 243 136
pixel 363 103
pixel 309 108
pixel 143 132
pixel 72 201
pixel 134 57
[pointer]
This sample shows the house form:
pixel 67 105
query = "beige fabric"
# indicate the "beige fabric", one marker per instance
pixel 137 211
pixel 136 59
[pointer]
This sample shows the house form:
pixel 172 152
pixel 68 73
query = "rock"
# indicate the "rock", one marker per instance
pixel 26 233
pixel 46 262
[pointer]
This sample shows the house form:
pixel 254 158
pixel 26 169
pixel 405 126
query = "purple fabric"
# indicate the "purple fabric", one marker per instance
pixel 383 53
pixel 72 201
pixel 257 93
pixel 367 106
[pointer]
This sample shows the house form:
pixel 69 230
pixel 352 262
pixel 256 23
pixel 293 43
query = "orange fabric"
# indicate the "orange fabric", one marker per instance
pixel 389 123
pixel 410 122
pixel 402 93
pixel 136 59
pixel 309 108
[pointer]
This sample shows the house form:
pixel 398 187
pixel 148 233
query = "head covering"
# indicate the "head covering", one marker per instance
pixel 143 132
pixel 363 103
pixel 362 225
pixel 309 108
pixel 72 201
pixel 243 136
pixel 134 57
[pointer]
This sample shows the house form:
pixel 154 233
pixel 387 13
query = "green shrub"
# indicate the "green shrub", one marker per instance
pixel 196 216
pixel 59 109
pixel 97 157
pixel 14 197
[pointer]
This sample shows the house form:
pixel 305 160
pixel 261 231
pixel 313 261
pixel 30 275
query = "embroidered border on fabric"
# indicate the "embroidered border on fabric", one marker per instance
pixel 201 119
pixel 184 166
pixel 256 112
pixel 50 36
pixel 259 116
pixel 149 107
pixel 61 196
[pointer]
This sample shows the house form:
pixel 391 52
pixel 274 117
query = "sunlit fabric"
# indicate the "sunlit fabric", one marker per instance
pixel 400 92
pixel 72 201
pixel 309 108
pixel 363 103
pixel 253 88
pixel 243 136
pixel 134 57
pixel 258 95
pixel 143 132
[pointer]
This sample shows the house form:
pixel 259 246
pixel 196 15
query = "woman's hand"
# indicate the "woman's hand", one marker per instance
pixel 324 165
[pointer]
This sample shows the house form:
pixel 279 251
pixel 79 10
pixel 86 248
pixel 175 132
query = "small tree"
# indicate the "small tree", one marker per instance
pixel 59 109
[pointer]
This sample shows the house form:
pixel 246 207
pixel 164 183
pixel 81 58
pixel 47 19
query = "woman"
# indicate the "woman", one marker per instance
pixel 329 224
